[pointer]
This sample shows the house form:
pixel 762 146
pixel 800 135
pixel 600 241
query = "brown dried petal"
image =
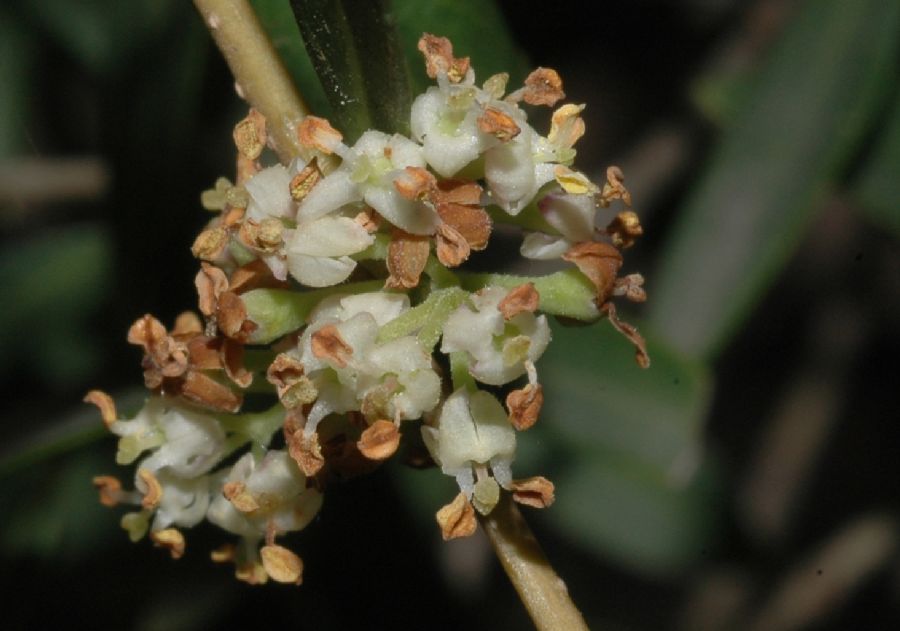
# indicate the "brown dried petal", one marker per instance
pixel 165 356
pixel 600 262
pixel 522 298
pixel 624 229
pixel 253 275
pixel 149 333
pixel 210 244
pixel 457 519
pixel 246 168
pixel 524 406
pixel 317 133
pixel 327 343
pixel 240 497
pixel 630 332
pixel 204 352
pixel 232 358
pixel 211 283
pixel 452 248
pixel 406 258
pixel 154 492
pixel 105 404
pixel 231 316
pixel 170 539
pixel 110 489
pixel 438 52
pixel 536 492
pixel 284 372
pixel 281 564
pixel 415 183
pixel 303 182
pixel 380 441
pixel 472 222
pixel 250 135
pixel 208 392
pixel 543 87
pixel 498 124
pixel 461 192
pixel 187 326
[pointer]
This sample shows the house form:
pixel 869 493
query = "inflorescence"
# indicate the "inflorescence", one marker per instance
pixel 311 290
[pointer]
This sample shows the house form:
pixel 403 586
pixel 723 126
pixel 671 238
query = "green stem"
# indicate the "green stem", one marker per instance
pixel 542 591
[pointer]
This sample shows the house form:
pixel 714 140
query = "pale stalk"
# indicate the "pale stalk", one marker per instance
pixel 260 76
pixel 543 593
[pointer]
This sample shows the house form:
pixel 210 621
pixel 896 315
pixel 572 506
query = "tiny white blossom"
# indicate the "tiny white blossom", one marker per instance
pixel 572 215
pixel 318 251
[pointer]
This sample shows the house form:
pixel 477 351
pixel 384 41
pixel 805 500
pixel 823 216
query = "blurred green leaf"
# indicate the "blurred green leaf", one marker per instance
pixel 278 20
pixel 16 49
pixel 477 29
pixel 811 106
pixel 100 34
pixel 878 187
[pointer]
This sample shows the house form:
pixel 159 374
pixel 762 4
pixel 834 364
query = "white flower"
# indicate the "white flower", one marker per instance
pixel 317 252
pixel 472 434
pixel 270 193
pixel 184 500
pixel 572 215
pixel 498 350
pixel 367 175
pixel 269 490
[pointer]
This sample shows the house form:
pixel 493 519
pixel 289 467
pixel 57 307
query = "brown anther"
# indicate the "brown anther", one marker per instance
pixel 187 326
pixel 438 52
pixel 624 229
pixel 110 489
pixel 524 406
pixel 231 355
pixel 245 168
pixel 293 387
pixel 264 237
pixel 406 258
pixel 376 403
pixel 451 247
pixel 250 135
pixel 380 441
pixel 543 87
pixel 614 188
pixel 164 356
pixel 281 564
pixel 206 391
pixel 170 539
pixel 317 133
pixel 226 553
pixel 252 573
pixel 327 343
pixel 498 124
pixel 205 352
pixel 536 492
pixel 105 404
pixel 240 497
pixel 566 126
pixel 210 244
pixel 457 519
pixel 369 219
pixel 303 182
pixel 600 262
pixel 472 222
pixel 306 452
pixel 231 316
pixel 631 333
pixel 211 283
pixel 632 287
pixel 154 492
pixel 522 298
pixel 462 192
pixel 415 183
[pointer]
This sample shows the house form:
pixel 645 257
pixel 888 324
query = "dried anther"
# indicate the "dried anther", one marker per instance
pixel 368 219
pixel 406 259
pixel 380 441
pixel 250 135
pixel 415 183
pixel 154 492
pixel 303 182
pixel 206 391
pixel 317 133
pixel 543 87
pixel 624 229
pixel 293 387
pixel 306 452
pixel 438 52
pixel 231 316
pixel 498 124
pixel 210 244
pixel 281 564
pixel 170 539
pixel 632 287
pixel 524 406
pixel 163 355
pixel 105 404
pixel 457 519
pixel 327 343
pixel 240 497
pixel 614 188
pixel 536 492
pixel 110 489
pixel 451 247
pixel 522 298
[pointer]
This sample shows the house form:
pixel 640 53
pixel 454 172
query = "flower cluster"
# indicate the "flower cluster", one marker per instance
pixel 329 287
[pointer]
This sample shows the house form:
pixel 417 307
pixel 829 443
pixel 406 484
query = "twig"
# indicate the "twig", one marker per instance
pixel 541 590
pixel 261 77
